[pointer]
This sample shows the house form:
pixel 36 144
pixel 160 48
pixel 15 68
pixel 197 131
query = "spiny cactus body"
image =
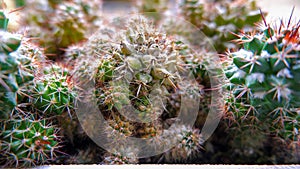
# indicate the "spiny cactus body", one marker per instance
pixel 188 144
pixel 27 141
pixel 53 92
pixel 16 71
pixel 136 72
pixel 126 156
pixel 264 77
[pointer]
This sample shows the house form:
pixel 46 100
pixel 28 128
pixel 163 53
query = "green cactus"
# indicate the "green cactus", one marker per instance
pixel 53 92
pixel 27 141
pixel 264 86
pixel 16 72
pixel 220 19
pixel 9 42
pixel 138 51
pixel 3 21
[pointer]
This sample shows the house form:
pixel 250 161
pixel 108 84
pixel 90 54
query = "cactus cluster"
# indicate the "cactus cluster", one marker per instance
pixel 263 84
pixel 27 137
pixel 141 67
pixel 220 19
pixel 148 77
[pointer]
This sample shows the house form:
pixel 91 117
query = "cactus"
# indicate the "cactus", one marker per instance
pixel 16 71
pixel 3 21
pixel 263 83
pixel 72 53
pixel 152 63
pixel 53 92
pixel 219 19
pixel 127 156
pixel 188 144
pixel 27 141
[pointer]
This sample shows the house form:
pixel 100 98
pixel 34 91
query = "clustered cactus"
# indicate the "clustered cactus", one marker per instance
pixel 219 20
pixel 147 83
pixel 263 83
pixel 125 156
pixel 27 136
pixel 141 67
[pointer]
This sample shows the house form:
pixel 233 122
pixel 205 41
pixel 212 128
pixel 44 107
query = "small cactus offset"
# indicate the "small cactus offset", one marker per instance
pixel 53 91
pixel 28 142
pixel 263 82
pixel 220 19
pixel 188 143
pixel 126 156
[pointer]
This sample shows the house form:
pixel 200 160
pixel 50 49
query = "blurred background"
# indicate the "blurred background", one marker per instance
pixel 276 8
pixel 111 8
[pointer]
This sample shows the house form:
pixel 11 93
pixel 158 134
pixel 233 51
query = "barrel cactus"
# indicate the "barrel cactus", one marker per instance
pixel 263 83
pixel 28 141
pixel 53 91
